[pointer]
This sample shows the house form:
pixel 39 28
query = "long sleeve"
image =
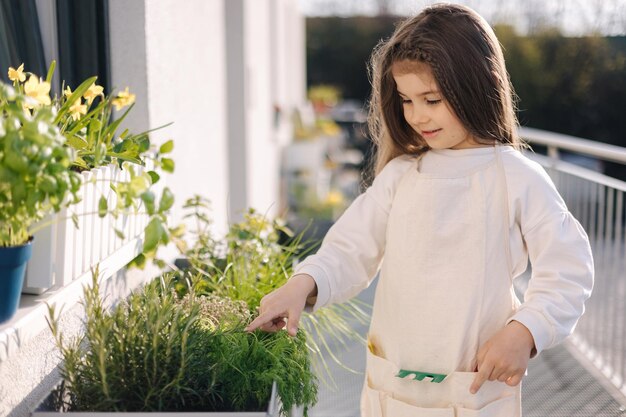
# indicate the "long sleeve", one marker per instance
pixel 561 261
pixel 353 248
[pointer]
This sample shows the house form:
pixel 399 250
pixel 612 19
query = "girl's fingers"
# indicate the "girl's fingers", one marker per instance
pixel 294 320
pixel 273 325
pixel 514 380
pixel 265 321
pixel 503 377
pixel 271 321
pixel 484 371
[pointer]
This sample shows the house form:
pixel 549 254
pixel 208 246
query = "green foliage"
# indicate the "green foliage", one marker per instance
pixel 256 257
pixel 35 179
pixel 84 117
pixel 338 50
pixel 569 85
pixel 157 351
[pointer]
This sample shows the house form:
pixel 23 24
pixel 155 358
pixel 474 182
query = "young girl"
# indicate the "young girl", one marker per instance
pixel 453 216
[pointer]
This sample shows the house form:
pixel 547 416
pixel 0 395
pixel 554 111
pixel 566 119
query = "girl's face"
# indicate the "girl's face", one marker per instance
pixel 425 109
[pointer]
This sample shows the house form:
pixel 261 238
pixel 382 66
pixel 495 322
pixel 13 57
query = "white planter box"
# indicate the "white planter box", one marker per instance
pixel 63 253
pixel 272 411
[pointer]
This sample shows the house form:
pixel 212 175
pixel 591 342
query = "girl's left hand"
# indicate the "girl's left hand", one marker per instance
pixel 504 357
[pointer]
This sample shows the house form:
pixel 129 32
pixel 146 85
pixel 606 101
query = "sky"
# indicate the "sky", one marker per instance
pixel 573 17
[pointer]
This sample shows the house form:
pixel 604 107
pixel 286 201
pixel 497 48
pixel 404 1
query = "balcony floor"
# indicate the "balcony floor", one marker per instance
pixel 557 384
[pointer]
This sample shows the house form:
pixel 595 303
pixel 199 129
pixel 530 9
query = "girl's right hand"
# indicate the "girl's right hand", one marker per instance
pixel 283 306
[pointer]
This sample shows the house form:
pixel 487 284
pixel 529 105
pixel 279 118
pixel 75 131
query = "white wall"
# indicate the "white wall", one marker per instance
pixel 219 84
pixel 178 75
pixel 265 69
pixel 262 150
pixel 186 73
pixel 289 55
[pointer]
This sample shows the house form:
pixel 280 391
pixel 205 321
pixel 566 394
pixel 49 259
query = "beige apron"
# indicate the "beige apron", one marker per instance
pixel 445 288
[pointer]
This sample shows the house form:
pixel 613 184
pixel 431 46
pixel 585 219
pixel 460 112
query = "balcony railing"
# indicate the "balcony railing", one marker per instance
pixel 597 201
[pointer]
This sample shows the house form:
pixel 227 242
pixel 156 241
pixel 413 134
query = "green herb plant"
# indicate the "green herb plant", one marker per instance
pixel 157 351
pixel 35 179
pixel 256 257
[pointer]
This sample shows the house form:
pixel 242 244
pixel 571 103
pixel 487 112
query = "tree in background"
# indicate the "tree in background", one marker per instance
pixel 569 85
pixel 338 49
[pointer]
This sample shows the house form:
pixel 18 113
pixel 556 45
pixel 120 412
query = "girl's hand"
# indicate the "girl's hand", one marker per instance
pixel 286 302
pixel 505 356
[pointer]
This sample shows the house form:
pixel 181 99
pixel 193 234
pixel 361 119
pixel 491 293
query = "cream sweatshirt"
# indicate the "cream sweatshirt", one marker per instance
pixel 542 230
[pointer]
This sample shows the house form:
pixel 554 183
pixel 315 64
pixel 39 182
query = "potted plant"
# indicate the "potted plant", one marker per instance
pixel 159 351
pixel 35 181
pixel 119 186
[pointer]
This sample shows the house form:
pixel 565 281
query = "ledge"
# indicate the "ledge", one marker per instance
pixel 31 317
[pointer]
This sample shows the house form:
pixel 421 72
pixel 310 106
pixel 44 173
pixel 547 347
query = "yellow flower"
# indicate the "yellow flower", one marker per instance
pixel 17 74
pixel 68 92
pixel 93 92
pixel 123 99
pixel 334 198
pixel 77 109
pixel 37 89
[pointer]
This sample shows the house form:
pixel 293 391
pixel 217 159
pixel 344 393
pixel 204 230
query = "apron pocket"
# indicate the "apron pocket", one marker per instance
pixel 372 402
pixel 376 403
pixel 504 407
pixel 494 399
pixel 395 408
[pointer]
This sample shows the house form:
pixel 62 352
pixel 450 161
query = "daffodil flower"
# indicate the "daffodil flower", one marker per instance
pixel 17 74
pixel 93 92
pixel 77 109
pixel 37 89
pixel 68 92
pixel 123 99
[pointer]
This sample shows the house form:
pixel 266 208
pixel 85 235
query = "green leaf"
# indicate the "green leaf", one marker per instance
pixel 178 231
pixel 53 65
pixel 100 155
pixel 139 184
pixel 167 200
pixel 48 184
pixel 122 157
pixel 152 235
pixel 119 234
pixel 18 191
pixel 17 162
pixel 112 128
pixel 143 143
pixel 138 262
pixel 167 147
pixel 76 142
pixel 103 206
pixel 167 164
pixel 154 177
pixel 148 198
pixel 75 220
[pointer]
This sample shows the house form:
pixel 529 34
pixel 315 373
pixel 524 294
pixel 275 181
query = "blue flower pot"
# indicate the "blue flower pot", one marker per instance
pixel 12 269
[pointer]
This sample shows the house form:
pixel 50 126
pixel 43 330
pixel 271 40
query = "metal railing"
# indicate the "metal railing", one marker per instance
pixel 597 201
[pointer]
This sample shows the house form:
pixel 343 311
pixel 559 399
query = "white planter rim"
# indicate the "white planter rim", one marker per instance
pixel 272 411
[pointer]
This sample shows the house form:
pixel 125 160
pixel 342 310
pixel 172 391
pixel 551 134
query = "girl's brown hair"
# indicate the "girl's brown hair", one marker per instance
pixel 467 63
